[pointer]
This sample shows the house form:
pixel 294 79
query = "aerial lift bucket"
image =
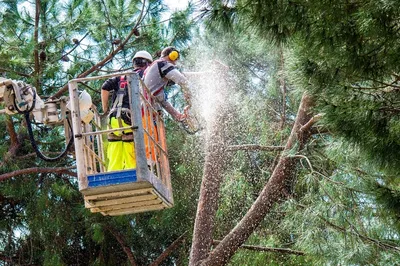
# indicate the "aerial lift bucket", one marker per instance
pixel 146 188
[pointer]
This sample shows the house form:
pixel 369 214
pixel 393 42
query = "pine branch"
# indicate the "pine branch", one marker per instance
pixel 34 170
pixel 248 67
pixel 254 147
pixel 385 84
pixel 108 19
pixel 362 237
pixel 267 249
pixel 120 238
pixel 36 42
pixel 75 46
pixel 168 250
pixel 34 154
pixel 16 72
pixel 107 58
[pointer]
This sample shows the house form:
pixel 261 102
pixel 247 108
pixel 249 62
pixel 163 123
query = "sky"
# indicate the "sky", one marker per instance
pixel 176 4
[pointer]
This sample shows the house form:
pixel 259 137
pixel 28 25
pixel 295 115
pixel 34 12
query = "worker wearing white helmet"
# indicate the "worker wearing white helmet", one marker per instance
pixel 121 149
pixel 141 60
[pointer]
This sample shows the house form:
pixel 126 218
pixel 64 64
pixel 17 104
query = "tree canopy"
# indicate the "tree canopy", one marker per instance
pixel 297 160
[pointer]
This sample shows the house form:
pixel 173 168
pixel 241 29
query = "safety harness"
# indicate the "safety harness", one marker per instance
pixel 162 72
pixel 119 110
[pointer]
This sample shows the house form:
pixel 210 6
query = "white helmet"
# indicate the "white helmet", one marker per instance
pixel 143 54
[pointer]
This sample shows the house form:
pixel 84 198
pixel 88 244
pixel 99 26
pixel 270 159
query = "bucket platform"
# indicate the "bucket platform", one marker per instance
pixel 122 192
pixel 146 188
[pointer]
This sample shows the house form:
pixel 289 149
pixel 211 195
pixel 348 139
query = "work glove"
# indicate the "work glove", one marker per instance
pixel 185 114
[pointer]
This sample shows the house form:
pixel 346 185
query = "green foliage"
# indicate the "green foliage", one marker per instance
pixel 44 221
pixel 343 207
pixel 344 203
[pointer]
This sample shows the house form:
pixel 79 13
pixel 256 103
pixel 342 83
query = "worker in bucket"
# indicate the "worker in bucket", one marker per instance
pixel 120 150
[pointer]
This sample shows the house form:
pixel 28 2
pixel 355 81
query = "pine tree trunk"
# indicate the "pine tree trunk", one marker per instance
pixel 216 160
pixel 274 190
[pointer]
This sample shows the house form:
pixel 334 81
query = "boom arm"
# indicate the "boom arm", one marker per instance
pixel 19 97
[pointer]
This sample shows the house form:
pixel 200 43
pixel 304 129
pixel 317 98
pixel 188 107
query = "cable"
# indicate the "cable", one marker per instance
pixel 36 148
pixel 31 136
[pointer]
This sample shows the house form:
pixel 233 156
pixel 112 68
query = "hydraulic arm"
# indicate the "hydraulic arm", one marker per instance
pixel 22 98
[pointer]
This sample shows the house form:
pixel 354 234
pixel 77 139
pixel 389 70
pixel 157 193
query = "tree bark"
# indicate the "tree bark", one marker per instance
pixel 273 191
pixel 282 85
pixel 13 136
pixel 15 143
pixel 215 162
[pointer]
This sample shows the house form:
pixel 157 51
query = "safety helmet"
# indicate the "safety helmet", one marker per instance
pixel 143 54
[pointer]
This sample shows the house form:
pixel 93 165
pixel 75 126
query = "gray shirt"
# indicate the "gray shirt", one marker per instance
pixel 156 77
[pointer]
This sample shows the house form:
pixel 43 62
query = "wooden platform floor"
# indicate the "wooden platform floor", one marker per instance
pixel 124 199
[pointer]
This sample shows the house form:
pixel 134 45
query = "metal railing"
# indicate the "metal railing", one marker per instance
pixel 148 130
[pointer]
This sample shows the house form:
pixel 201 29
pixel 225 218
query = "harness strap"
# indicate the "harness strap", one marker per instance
pixel 161 63
pixel 111 137
pixel 117 106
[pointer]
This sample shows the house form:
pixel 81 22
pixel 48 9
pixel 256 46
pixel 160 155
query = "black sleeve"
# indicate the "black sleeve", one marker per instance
pixel 111 84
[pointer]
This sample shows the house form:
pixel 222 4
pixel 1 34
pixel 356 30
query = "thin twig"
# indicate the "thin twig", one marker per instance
pixel 267 249
pixel 75 46
pixel 16 72
pixel 254 147
pixel 304 157
pixel 353 231
pixel 33 170
pixel 121 240
pixel 107 58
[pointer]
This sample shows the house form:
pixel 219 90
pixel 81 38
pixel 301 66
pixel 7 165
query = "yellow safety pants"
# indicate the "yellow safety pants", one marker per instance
pixel 120 154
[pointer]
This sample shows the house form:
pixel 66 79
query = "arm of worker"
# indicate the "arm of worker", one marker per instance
pixel 172 111
pixel 169 108
pixel 177 77
pixel 108 86
pixel 182 81
pixel 104 100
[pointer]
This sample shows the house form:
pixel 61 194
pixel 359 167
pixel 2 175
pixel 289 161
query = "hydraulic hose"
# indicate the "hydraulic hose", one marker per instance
pixel 36 148
pixel 31 136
